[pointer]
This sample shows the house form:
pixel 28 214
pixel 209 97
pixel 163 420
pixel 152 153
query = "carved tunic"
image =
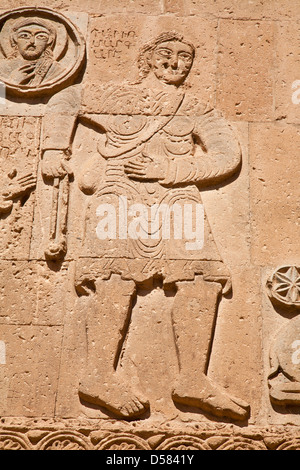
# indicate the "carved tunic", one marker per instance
pixel 200 150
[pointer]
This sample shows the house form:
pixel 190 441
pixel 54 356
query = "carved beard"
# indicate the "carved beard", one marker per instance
pixel 40 68
pixel 31 55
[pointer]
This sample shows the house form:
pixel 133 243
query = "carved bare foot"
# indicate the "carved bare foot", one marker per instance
pixel 114 394
pixel 209 397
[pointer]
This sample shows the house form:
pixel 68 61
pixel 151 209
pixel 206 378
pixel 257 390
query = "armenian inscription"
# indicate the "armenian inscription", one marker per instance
pixel 111 43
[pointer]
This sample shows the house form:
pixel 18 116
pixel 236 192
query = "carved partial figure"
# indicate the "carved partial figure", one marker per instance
pixel 32 62
pixel 41 51
pixel 14 187
pixel 284 377
pixel 156 153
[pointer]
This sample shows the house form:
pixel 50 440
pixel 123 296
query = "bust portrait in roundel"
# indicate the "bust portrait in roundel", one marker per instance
pixel 31 59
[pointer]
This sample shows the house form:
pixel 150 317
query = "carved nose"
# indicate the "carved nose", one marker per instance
pixel 174 62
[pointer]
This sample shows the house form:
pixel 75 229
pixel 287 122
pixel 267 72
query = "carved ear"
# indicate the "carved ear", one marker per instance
pixel 13 40
pixel 52 41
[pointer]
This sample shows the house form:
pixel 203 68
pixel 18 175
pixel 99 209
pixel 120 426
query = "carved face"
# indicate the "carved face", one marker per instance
pixel 32 41
pixel 171 62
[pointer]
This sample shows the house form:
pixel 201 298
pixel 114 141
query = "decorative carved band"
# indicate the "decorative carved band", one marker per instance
pixel 89 439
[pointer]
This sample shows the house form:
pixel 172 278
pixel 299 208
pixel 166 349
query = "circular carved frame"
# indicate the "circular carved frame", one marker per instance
pixel 284 287
pixel 69 36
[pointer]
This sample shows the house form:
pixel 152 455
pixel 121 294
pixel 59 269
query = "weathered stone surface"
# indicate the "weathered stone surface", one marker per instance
pixel 149 213
pixel 30 374
pixel 95 7
pixel 236 9
pixel 287 77
pixel 33 292
pixel 274 164
pixel 245 85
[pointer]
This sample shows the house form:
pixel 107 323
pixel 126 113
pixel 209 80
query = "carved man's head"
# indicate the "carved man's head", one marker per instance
pixel 32 38
pixel 169 56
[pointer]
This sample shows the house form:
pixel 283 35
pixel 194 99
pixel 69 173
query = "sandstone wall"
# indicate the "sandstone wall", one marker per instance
pixel 246 67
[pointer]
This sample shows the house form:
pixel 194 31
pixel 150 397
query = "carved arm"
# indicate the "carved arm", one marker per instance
pixel 217 160
pixel 59 124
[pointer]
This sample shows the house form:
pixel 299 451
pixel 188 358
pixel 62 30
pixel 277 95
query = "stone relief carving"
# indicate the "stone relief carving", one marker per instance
pixel 58 223
pixel 88 439
pixel 15 187
pixel 284 376
pixel 284 287
pixel 155 153
pixel 74 347
pixel 40 51
pixel 19 152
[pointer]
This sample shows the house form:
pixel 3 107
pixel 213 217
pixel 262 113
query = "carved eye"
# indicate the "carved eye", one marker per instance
pixel 42 36
pixel 185 56
pixel 24 35
pixel 166 53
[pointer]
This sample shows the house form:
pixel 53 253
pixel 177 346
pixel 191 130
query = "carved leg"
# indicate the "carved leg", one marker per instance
pixel 194 313
pixel 107 323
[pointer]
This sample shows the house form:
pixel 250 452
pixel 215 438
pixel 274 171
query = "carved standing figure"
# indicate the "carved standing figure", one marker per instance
pixel 156 152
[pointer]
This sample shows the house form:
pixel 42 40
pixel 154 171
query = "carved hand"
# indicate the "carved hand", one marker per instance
pixel 24 74
pixel 18 187
pixel 145 168
pixel 55 165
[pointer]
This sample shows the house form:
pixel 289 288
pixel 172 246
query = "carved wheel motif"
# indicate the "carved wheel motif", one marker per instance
pixel 183 443
pixel 291 444
pixel 284 286
pixel 123 442
pixel 240 443
pixel 11 441
pixel 64 441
